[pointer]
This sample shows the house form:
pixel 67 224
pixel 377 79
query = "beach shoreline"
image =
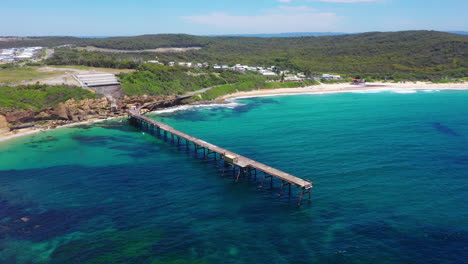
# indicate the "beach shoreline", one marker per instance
pixel 346 87
pixel 315 89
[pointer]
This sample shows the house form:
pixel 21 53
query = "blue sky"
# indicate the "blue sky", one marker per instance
pixel 205 17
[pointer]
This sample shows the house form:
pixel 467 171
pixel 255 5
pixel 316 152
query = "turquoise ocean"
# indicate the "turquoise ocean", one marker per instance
pixel 390 173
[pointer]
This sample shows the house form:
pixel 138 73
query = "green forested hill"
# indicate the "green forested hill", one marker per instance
pixel 407 54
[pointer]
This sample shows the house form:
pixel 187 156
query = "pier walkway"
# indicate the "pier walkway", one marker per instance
pixel 245 165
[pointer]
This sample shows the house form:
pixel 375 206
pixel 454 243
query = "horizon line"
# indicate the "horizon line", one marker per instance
pixel 233 34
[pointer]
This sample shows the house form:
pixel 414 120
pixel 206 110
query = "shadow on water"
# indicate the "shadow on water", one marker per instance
pixel 37 143
pixel 94 140
pixel 430 244
pixel 100 140
pixel 27 222
pixel 445 130
pixel 112 125
pixel 116 246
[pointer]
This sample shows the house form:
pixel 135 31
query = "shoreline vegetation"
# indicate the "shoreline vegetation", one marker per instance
pixel 280 91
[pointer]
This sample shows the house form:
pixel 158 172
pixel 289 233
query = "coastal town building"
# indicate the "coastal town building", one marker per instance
pixel 17 54
pixel 331 77
pixel 267 73
pixel 155 62
pixel 292 79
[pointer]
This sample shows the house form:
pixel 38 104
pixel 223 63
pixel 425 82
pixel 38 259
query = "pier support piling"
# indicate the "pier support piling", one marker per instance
pixel 241 166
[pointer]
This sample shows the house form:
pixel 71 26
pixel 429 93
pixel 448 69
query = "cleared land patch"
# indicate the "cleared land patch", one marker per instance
pixel 84 68
pixel 25 74
pixel 51 75
pixel 158 50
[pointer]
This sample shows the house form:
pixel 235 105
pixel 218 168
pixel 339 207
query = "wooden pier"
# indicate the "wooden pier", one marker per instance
pixel 241 166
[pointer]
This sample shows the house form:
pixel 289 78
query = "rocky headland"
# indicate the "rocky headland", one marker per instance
pixel 70 112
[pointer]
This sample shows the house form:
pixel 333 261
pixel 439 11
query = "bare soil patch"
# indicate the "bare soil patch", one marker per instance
pixel 66 74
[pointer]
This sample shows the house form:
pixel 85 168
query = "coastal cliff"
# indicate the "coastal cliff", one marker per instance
pixel 68 112
pixel 4 125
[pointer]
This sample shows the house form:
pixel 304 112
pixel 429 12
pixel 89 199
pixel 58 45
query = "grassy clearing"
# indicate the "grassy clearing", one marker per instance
pixel 87 68
pixel 23 74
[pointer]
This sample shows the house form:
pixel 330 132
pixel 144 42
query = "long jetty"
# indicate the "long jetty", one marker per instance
pixel 241 166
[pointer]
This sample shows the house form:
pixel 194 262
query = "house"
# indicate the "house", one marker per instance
pixel 239 67
pixel 216 67
pixel 171 63
pixel 314 78
pixel 267 73
pixel 292 79
pixel 225 67
pixel 301 75
pixel 331 77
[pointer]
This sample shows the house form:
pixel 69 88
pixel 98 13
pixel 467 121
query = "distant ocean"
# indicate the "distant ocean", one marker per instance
pixel 99 37
pixel 277 35
pixel 390 175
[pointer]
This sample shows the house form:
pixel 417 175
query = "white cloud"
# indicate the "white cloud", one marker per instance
pixel 280 19
pixel 334 1
pixel 343 1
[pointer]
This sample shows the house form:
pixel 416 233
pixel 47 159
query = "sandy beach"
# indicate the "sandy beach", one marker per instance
pixel 346 87
pixel 316 89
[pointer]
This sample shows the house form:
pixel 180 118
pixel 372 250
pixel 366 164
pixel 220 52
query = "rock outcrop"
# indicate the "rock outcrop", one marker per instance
pixel 72 111
pixel 83 110
pixel 3 125
pixel 18 116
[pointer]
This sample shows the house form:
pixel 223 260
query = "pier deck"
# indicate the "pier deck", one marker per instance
pixel 241 161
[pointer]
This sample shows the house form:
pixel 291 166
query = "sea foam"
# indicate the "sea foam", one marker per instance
pixel 230 105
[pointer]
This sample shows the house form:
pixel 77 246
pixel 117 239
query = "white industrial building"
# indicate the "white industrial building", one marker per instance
pixel 15 54
pixel 267 73
pixel 97 80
